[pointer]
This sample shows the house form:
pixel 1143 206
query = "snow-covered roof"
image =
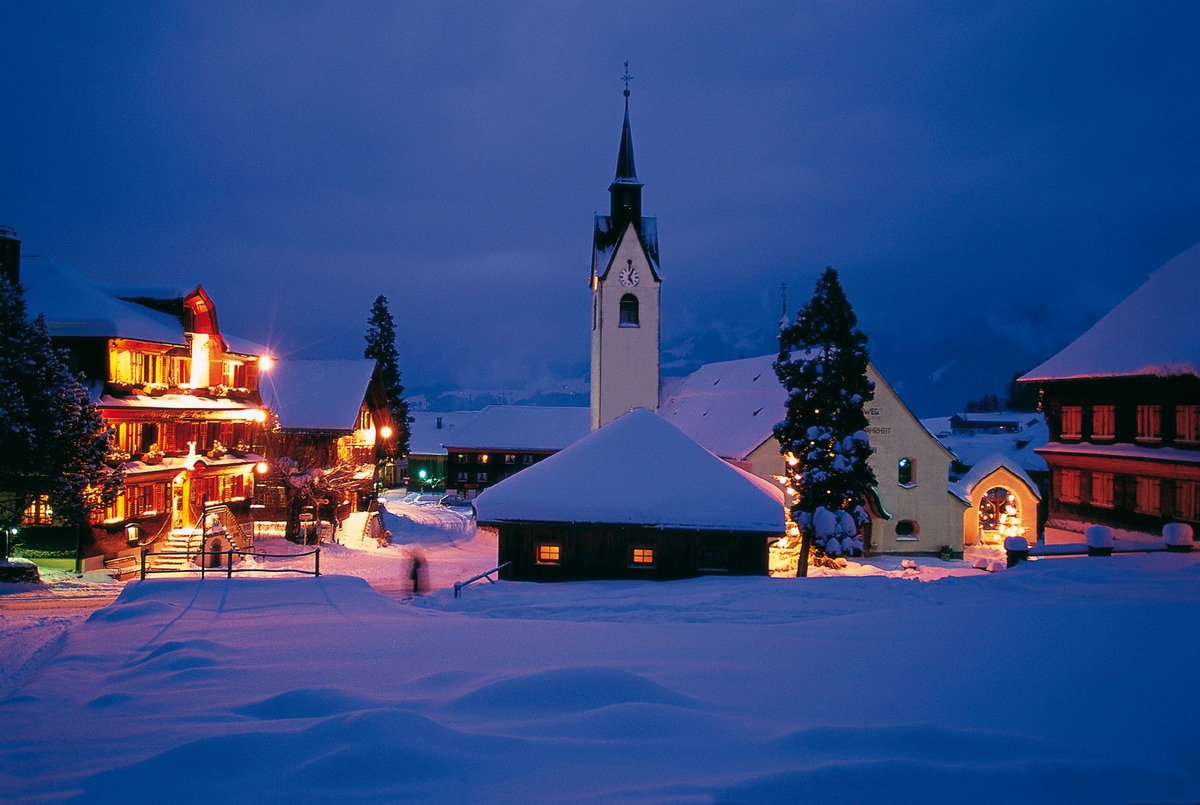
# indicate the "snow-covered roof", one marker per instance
pixel 316 395
pixel 963 488
pixel 1144 452
pixel 607 238
pixel 222 408
pixel 522 427
pixel 426 438
pixel 1152 332
pixel 730 407
pixel 972 447
pixel 638 469
pixel 76 305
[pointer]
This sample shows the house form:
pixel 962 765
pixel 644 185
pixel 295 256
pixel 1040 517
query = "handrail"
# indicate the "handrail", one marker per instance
pixel 229 568
pixel 458 585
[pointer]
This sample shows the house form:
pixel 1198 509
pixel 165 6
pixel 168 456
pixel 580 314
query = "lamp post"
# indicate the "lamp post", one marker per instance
pixel 423 474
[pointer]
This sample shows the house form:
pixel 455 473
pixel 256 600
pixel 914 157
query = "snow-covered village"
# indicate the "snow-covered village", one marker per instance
pixel 334 466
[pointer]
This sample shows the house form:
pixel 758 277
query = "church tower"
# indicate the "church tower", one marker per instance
pixel 625 295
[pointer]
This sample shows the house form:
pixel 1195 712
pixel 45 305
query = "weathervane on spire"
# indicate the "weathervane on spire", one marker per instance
pixel 627 78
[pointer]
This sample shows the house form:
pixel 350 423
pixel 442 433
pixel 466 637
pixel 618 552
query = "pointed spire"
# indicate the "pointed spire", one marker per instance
pixel 626 190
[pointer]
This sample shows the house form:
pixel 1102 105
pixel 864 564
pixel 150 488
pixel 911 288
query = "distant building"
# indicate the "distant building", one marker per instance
pixel 1122 403
pixel 501 440
pixel 633 499
pixel 427 466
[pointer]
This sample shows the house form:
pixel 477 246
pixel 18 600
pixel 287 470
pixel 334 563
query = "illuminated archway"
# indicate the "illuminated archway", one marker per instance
pixel 999 515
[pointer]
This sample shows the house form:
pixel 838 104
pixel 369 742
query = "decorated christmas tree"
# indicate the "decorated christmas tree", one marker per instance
pixel 823 365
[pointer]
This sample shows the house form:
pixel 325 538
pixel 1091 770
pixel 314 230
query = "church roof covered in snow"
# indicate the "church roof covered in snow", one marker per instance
pixel 637 470
pixel 730 407
pixel 1153 332
pixel 522 427
pixel 317 395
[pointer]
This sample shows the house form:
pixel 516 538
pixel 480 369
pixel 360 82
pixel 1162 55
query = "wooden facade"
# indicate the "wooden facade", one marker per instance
pixel 593 551
pixel 1123 453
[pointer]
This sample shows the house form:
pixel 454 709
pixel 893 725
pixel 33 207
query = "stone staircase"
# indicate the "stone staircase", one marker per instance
pixel 177 550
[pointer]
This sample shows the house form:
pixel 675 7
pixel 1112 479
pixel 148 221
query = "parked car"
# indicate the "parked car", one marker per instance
pixel 455 502
pixel 427 500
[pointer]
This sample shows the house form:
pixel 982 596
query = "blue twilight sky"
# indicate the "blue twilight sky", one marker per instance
pixel 988 178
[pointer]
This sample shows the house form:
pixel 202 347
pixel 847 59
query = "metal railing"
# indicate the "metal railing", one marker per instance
pixel 458 585
pixel 227 567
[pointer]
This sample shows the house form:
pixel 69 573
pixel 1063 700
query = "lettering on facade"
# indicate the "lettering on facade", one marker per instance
pixel 879 431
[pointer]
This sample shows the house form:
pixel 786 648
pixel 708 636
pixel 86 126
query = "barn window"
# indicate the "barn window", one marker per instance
pixel 1072 421
pixel 904 472
pixel 510 458
pixel 481 477
pixel 907 530
pixel 642 557
pixel 549 554
pixel 629 310
pixel 1149 422
pixel 714 559
pixel 462 476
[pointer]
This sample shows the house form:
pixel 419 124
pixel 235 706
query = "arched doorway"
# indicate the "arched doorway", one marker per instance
pixel 999 516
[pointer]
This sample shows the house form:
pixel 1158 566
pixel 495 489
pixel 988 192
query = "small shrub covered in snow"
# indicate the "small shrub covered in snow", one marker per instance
pixel 1178 536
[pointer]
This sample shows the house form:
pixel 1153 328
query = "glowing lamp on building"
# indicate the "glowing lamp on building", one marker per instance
pixel 258 415
pixel 261 468
pixel 265 362
pixel 385 432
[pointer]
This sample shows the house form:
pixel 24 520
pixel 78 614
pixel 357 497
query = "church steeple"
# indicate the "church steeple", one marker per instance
pixel 626 190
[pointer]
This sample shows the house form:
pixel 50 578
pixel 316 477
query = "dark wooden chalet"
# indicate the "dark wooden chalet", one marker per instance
pixel 634 499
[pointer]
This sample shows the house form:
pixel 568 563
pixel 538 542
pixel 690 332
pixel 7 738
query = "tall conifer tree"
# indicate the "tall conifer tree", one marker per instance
pixel 381 346
pixel 53 440
pixel 823 364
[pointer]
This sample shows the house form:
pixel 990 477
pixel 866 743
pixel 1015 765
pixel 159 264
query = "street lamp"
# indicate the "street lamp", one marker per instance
pixel 423 474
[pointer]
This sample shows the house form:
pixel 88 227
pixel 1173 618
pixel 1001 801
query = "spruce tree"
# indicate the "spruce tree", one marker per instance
pixel 381 346
pixel 53 439
pixel 823 365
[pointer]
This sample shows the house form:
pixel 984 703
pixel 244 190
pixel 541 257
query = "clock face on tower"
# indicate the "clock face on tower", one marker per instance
pixel 629 276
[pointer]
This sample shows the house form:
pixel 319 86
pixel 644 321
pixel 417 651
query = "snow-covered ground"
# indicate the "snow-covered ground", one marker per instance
pixel 1059 680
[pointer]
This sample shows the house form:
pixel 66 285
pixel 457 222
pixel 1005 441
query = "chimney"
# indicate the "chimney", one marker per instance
pixel 10 254
pixel 439 425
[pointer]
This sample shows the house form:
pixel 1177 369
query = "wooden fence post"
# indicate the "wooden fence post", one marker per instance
pixel 229 565
pixel 317 563
pixel 143 574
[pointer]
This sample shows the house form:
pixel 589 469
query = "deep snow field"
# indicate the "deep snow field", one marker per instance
pixel 1061 680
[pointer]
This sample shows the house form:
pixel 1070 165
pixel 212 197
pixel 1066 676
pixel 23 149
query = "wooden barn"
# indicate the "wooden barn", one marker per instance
pixel 633 499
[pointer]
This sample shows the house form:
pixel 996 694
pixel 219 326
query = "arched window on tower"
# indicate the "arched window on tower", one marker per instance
pixel 629 310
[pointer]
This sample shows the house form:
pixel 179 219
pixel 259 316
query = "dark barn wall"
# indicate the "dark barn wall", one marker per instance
pixel 597 551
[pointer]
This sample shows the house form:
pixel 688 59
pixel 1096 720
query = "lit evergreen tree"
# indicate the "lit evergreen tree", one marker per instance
pixel 823 364
pixel 53 440
pixel 381 346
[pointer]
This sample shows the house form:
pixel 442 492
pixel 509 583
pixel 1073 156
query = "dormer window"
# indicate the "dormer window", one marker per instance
pixel 629 311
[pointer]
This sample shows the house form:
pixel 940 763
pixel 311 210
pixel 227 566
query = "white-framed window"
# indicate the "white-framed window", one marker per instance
pixel 549 554
pixel 1187 500
pixel 1104 421
pixel 461 476
pixel 1068 486
pixel 641 556
pixel 1149 422
pixel 1072 421
pixel 481 477
pixel 1102 489
pixel 1149 495
pixel 1187 423
pixel 510 458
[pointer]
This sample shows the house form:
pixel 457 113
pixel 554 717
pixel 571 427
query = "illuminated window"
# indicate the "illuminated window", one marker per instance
pixel 462 458
pixel 642 557
pixel 1187 423
pixel 38 512
pixel 1187 500
pixel 629 311
pixel 1104 421
pixel 1149 495
pixel 483 458
pixel 1102 489
pixel 509 458
pixel 1072 421
pixel 1149 422
pixel 907 530
pixel 904 471
pixel 1068 486
pixel 549 554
